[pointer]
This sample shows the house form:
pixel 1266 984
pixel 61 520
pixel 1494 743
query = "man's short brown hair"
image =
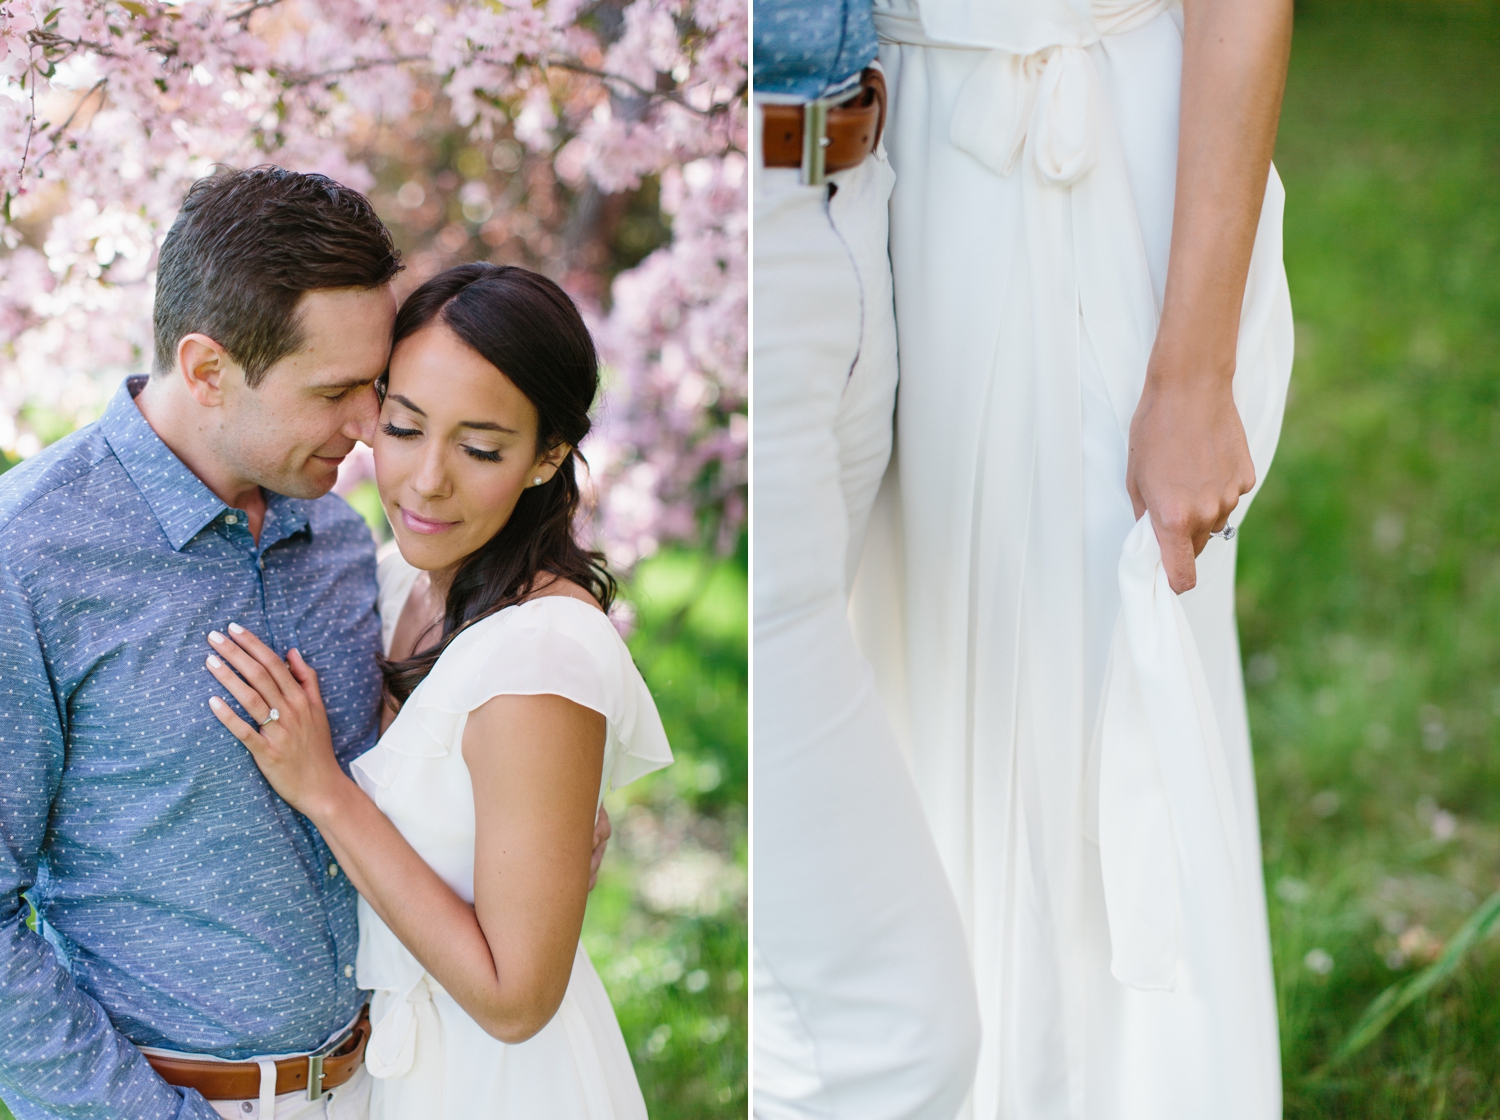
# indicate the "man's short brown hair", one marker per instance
pixel 244 248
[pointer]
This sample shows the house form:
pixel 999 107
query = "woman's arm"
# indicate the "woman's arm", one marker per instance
pixel 1189 461
pixel 536 764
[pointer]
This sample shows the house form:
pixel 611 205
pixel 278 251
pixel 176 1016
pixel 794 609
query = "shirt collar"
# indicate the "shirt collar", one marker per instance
pixel 178 498
pixel 285 517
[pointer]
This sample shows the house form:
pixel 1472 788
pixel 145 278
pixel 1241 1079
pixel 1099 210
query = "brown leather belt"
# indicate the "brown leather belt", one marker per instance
pixel 849 130
pixel 240 1081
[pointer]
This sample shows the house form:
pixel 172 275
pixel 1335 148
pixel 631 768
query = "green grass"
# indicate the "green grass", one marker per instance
pixel 1370 565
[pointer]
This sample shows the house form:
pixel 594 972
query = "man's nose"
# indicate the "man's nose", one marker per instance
pixel 364 413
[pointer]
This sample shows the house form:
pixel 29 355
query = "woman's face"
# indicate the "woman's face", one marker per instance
pixel 455 447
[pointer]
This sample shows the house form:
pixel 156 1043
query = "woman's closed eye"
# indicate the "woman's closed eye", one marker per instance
pixel 486 456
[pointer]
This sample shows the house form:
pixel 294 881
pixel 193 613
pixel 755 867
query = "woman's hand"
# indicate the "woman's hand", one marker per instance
pixel 295 750
pixel 1189 465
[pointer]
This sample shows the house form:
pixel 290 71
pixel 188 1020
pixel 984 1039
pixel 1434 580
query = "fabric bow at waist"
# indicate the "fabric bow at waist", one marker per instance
pixel 1049 95
pixel 399 1019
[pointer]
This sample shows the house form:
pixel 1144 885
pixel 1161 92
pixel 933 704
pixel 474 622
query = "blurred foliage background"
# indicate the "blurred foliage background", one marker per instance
pixel 667 924
pixel 1370 564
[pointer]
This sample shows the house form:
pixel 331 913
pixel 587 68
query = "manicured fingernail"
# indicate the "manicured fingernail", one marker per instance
pixel 215 637
pixel 236 628
pixel 214 662
pixel 215 702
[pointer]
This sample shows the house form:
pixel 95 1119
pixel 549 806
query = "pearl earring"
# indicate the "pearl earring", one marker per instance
pixel 537 481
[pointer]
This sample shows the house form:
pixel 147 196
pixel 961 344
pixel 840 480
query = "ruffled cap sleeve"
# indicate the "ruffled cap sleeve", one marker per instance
pixel 550 646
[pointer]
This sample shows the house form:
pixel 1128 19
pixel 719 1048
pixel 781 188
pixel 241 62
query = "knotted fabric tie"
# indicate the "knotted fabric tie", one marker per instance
pixel 1049 95
pixel 392 1048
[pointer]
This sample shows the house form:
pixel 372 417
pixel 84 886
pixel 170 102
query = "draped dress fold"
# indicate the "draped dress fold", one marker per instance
pixel 1077 733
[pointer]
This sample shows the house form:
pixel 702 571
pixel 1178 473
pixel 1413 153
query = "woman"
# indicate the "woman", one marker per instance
pixel 513 705
pixel 1095 341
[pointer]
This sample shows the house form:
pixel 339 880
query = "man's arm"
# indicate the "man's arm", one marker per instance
pixel 1189 460
pixel 59 1053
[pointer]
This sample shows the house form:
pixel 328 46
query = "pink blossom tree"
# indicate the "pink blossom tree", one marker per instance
pixel 109 110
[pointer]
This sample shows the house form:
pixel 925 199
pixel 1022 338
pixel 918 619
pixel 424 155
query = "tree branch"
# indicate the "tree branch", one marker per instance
pixel 353 68
pixel 243 15
pixel 30 131
pixel 56 134
pixel 650 94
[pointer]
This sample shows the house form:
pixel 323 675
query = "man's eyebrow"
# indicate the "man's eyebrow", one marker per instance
pixel 479 425
pixel 347 383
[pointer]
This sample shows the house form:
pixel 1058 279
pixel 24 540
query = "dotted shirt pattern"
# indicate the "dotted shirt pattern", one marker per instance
pixel 184 905
pixel 811 48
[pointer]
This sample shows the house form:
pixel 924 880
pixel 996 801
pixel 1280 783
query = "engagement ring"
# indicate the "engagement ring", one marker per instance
pixel 1227 533
pixel 272 718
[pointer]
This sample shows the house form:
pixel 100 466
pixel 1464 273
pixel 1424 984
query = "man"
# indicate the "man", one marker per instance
pixel 864 1000
pixel 191 927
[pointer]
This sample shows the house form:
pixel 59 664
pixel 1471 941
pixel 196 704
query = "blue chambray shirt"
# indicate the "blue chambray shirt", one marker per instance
pixel 190 907
pixel 811 48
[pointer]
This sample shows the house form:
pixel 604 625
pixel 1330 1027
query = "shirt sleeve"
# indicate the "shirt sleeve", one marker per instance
pixel 59 1054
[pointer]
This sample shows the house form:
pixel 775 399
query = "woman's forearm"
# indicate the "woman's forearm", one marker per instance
pixel 439 927
pixel 1189 462
pixel 1233 73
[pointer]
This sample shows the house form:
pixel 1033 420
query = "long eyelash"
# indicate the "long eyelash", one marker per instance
pixel 487 456
pixel 400 433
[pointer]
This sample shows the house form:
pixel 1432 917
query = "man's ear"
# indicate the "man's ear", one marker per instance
pixel 203 365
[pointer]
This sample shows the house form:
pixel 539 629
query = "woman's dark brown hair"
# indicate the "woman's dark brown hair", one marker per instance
pixel 526 327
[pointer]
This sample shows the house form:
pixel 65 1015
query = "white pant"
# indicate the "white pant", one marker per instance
pixel 349 1101
pixel 864 1003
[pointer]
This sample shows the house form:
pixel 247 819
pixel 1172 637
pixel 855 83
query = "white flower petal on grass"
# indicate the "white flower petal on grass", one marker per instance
pixel 1318 961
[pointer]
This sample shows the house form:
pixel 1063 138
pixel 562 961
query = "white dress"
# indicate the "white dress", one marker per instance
pixel 428 1058
pixel 1076 732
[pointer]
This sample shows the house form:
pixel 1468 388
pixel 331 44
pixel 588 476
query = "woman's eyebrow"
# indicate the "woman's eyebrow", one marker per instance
pixel 403 400
pixel 486 426
pixel 481 425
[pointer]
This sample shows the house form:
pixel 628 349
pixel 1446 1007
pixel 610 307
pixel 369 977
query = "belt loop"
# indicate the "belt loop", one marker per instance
pixel 814 141
pixel 267 1090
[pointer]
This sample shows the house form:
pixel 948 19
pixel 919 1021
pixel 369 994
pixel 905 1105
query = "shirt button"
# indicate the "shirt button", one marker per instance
pixel 333 871
pixel 348 970
pixel 231 519
pixel 246 1106
pixel 260 562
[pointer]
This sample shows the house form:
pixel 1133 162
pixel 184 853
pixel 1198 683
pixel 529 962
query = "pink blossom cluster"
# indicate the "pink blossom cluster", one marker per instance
pixel 109 110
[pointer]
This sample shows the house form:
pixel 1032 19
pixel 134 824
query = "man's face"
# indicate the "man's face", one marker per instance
pixel 290 433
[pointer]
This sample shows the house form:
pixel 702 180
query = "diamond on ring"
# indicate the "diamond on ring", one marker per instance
pixel 272 718
pixel 1227 533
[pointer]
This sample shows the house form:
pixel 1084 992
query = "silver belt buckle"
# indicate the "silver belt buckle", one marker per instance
pixel 315 1077
pixel 815 140
pixel 315 1067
